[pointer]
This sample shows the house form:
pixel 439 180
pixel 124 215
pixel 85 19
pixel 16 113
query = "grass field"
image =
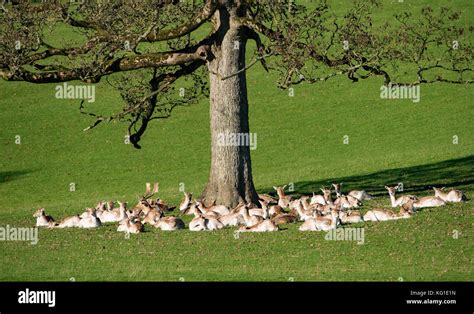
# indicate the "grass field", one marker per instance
pixel 300 141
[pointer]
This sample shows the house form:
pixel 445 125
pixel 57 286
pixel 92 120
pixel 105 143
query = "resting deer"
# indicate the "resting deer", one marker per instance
pixel 42 220
pixel 321 223
pixel 152 217
pixel 89 219
pixel 144 204
pixel 70 222
pixel 114 215
pixel 273 210
pixel 267 198
pixel 169 223
pixel 350 217
pixel 282 219
pixel 327 195
pixel 396 202
pixel 379 214
pixel 248 219
pixel 200 223
pixel 186 202
pixel 317 199
pixel 263 226
pixel 232 219
pixel 218 209
pixel 304 214
pixel 428 201
pixel 283 200
pixel 453 196
pixel 100 208
pixel 347 202
pixel 405 212
pixel 131 224
pixel 360 195
pixel 326 209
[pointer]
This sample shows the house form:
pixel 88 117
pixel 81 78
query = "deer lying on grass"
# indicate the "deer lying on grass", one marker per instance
pixel 169 223
pixel 428 201
pixel 272 210
pixel 89 219
pixel 152 216
pixel 303 213
pixel 232 219
pixel 360 195
pixel 200 223
pixel 263 226
pixel 380 214
pixel 282 219
pixel 42 220
pixel 283 200
pixel 100 208
pixel 347 202
pixel 396 202
pixel 131 224
pixel 70 222
pixel 405 211
pixel 318 199
pixel 186 202
pixel 113 214
pixel 453 196
pixel 249 220
pixel 321 223
pixel 327 195
pixel 267 198
pixel 217 209
pixel 350 217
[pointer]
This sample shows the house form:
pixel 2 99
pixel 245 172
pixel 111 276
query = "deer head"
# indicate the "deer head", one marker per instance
pixel 280 190
pixel 391 189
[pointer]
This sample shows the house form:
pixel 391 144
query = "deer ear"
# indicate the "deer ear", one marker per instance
pixel 275 188
pixel 387 187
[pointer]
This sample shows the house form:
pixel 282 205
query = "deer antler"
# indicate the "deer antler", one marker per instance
pixel 148 192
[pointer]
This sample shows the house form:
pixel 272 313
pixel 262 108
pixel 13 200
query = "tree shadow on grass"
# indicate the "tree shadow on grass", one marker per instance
pixel 11 175
pixel 454 173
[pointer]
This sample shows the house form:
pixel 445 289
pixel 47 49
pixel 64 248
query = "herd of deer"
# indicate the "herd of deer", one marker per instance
pixel 318 213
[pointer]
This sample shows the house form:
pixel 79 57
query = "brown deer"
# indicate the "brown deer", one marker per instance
pixel 360 195
pixel 186 202
pixel 453 196
pixel 42 220
pixel 396 202
pixel 283 200
pixel 263 226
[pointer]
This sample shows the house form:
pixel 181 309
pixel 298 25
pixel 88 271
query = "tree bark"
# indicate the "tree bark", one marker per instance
pixel 230 179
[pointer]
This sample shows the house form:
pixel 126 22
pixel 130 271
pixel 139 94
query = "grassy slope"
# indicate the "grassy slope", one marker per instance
pixel 299 140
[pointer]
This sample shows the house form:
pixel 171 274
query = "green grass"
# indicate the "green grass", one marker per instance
pixel 300 140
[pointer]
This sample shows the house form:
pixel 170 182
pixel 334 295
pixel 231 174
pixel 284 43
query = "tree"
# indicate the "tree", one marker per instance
pixel 146 47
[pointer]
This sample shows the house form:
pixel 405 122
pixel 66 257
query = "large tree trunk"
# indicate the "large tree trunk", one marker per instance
pixel 230 180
